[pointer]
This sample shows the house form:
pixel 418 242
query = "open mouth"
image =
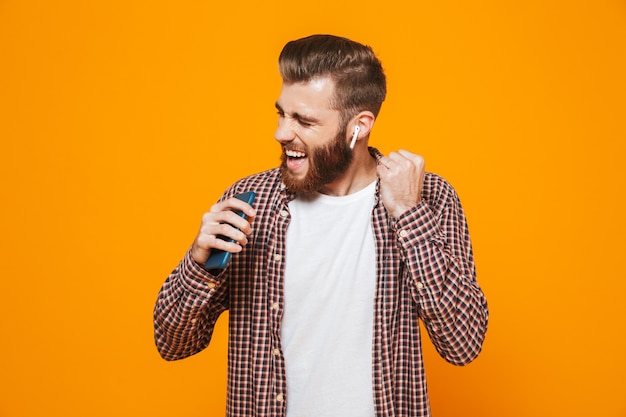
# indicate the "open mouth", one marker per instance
pixel 295 160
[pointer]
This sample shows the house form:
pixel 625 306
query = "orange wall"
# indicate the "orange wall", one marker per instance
pixel 122 121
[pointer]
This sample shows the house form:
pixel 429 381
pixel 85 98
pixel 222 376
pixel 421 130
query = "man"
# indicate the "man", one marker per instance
pixel 344 251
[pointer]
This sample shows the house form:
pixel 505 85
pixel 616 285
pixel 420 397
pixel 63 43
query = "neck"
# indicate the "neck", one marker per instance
pixel 360 173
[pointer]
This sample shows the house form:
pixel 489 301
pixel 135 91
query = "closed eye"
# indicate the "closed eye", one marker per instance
pixel 302 120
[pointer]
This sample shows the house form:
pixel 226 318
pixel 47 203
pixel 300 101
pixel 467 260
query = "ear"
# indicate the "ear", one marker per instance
pixel 365 121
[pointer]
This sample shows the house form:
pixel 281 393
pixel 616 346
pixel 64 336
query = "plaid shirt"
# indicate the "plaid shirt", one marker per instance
pixel 425 270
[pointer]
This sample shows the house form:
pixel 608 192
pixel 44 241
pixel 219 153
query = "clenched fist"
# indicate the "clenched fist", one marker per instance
pixel 401 181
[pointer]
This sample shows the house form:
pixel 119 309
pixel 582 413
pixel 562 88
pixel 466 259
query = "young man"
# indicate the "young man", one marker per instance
pixel 344 251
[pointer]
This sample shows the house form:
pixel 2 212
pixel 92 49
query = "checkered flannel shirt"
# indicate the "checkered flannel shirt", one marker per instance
pixel 425 270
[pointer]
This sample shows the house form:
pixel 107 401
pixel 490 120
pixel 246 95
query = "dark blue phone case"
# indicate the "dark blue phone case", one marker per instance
pixel 218 259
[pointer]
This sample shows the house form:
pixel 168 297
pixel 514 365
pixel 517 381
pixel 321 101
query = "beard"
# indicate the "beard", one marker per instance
pixel 325 164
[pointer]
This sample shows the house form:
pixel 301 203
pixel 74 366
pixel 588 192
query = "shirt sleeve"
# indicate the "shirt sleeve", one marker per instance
pixel 436 246
pixel 187 308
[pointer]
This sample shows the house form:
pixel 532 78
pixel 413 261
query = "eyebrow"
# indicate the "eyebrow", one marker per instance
pixel 299 117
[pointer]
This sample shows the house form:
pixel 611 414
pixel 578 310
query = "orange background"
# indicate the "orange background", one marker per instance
pixel 121 122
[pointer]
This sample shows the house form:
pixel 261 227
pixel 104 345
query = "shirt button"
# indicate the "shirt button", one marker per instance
pixel 210 285
pixel 403 233
pixel 193 321
pixel 276 352
pixel 280 398
pixel 275 306
pixel 420 286
pixel 284 213
pixel 278 257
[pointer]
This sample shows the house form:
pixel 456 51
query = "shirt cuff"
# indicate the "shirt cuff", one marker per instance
pixel 197 279
pixel 417 225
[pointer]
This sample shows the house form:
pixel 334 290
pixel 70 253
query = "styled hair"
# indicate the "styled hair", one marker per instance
pixel 360 82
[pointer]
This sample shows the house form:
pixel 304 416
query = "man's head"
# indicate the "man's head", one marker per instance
pixel 360 82
pixel 331 85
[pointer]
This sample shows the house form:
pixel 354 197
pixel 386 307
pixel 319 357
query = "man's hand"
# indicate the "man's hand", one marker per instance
pixel 221 220
pixel 401 181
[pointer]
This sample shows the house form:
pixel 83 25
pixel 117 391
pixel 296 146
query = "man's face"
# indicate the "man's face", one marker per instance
pixel 315 145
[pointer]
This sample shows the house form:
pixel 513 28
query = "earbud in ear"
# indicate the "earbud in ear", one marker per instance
pixel 354 136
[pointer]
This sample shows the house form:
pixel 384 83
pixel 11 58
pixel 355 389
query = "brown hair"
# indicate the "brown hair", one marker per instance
pixel 360 82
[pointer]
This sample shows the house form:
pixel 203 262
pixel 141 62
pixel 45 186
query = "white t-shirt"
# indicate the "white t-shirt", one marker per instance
pixel 330 284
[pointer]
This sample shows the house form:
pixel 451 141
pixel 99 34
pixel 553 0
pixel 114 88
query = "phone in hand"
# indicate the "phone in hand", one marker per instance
pixel 218 259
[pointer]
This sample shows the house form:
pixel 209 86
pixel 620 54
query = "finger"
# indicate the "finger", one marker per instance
pixel 384 167
pixel 236 221
pixel 203 246
pixel 237 204
pixel 400 157
pixel 398 163
pixel 393 160
pixel 228 211
pixel 231 230
pixel 234 204
pixel 209 241
pixel 417 160
pixel 215 222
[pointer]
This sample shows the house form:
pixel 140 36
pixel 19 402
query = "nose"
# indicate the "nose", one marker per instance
pixel 284 132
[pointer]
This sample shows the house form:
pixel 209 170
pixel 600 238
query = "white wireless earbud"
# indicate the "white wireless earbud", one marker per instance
pixel 356 133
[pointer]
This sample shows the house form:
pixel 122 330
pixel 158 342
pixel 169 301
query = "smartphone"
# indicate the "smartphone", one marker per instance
pixel 218 259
